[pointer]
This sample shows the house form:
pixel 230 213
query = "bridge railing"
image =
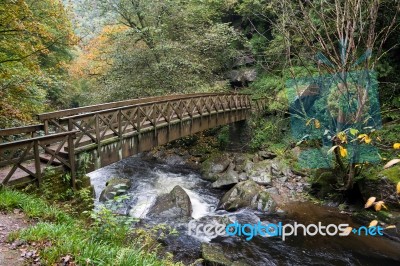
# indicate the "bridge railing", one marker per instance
pixel 19 133
pixel 51 119
pixel 29 157
pixel 95 127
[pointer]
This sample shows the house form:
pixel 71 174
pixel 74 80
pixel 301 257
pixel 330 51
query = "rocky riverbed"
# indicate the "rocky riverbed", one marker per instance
pixel 176 188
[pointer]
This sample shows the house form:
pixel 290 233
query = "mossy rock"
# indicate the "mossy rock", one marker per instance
pixel 247 194
pixel 115 187
pixel 215 165
pixel 214 255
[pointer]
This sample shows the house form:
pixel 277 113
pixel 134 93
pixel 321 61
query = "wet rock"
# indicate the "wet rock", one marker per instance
pixel 266 155
pixel 262 178
pixel 115 187
pixel 247 194
pixel 175 159
pixel 248 166
pixel 214 255
pixel 214 166
pixel 243 177
pixel 230 177
pixel 261 173
pixel 175 204
pixel 272 190
pixel 240 161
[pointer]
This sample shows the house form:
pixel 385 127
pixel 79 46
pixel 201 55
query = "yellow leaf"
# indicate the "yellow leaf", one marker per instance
pixel 378 205
pixel 317 124
pixel 398 188
pixel 369 202
pixel 365 138
pixel 342 136
pixel 396 146
pixel 390 227
pixel 361 136
pixel 343 151
pixel 373 223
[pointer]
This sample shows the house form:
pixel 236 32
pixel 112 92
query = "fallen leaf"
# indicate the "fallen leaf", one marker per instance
pixel 390 227
pixel 378 205
pixel 398 188
pixel 396 146
pixel 373 223
pixel 391 163
pixel 347 231
pixel 369 202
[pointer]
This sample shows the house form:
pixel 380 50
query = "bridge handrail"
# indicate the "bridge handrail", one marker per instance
pixel 142 105
pixel 21 130
pixel 25 141
pixel 92 108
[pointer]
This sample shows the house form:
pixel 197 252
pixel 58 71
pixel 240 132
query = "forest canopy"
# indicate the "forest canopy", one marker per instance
pixel 60 54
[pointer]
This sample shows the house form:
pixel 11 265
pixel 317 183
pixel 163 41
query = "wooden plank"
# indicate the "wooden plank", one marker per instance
pixel 20 130
pixel 43 139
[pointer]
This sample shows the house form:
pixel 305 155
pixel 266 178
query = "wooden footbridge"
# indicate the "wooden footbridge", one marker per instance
pixel 107 133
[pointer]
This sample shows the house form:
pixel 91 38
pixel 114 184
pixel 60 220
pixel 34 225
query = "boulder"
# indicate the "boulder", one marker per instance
pixel 248 166
pixel 260 172
pixel 261 178
pixel 214 166
pixel 175 204
pixel 240 161
pixel 228 178
pixel 247 194
pixel 266 155
pixel 115 187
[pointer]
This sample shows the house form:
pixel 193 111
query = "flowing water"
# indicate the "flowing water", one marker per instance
pixel 151 178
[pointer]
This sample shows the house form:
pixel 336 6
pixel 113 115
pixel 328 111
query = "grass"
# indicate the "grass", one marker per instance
pixel 59 234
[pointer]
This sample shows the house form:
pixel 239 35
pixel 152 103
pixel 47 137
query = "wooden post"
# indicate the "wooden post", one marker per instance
pixel 138 119
pixel 71 157
pixel 37 162
pixel 119 120
pixel 46 127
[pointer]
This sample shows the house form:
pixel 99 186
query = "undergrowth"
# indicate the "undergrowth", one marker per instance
pixel 59 234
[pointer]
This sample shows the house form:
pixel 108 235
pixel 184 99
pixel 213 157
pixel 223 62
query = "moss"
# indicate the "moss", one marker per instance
pixel 214 255
pixel 392 174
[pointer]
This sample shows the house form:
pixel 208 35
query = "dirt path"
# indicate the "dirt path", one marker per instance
pixel 10 255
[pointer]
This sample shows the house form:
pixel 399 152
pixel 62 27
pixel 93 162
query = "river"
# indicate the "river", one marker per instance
pixel 151 178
